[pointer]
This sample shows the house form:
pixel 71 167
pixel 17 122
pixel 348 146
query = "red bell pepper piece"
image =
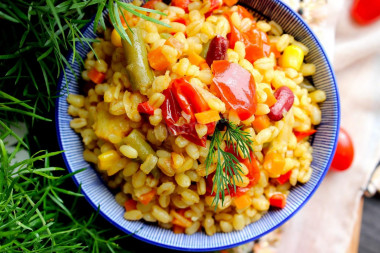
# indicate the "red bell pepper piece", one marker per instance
pixel 244 13
pixel 301 135
pixel 253 168
pixel 278 200
pixel 189 99
pixel 171 112
pixel 210 128
pixel 253 175
pixel 184 4
pixel 214 4
pixel 284 178
pixel 236 87
pixel 188 131
pixel 234 36
pixel 180 20
pixel 145 107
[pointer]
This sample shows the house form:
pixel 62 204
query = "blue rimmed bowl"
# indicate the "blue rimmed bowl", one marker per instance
pixel 324 144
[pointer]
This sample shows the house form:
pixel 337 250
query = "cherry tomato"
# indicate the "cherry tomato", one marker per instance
pixel 365 11
pixel 344 154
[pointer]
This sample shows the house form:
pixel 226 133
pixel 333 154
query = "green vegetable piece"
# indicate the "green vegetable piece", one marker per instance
pixel 138 69
pixel 165 35
pixel 205 49
pixel 135 140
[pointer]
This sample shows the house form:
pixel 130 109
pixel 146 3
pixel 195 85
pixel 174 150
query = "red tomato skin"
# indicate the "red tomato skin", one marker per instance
pixel 365 12
pixel 236 87
pixel 344 154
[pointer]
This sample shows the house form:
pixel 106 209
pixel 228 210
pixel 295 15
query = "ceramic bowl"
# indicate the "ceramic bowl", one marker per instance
pixel 324 143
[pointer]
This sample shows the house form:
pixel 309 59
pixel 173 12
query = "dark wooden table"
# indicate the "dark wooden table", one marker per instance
pixel 370 229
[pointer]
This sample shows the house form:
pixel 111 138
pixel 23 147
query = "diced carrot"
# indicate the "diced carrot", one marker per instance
pixel 123 23
pixel 96 76
pixel 173 42
pixel 180 220
pixel 278 200
pixel 261 122
pixel 230 2
pixel 271 99
pixel 301 135
pixel 196 59
pixel 242 201
pixel 274 163
pixel 284 178
pixel 130 205
pixel 207 116
pixel 147 197
pixel 204 66
pixel 181 223
pixel 178 229
pixel 157 60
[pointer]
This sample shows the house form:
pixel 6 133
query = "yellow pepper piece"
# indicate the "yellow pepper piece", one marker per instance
pixel 242 202
pixel 292 57
pixel 116 39
pixel 108 159
pixel 274 163
pixel 118 166
pixel 207 116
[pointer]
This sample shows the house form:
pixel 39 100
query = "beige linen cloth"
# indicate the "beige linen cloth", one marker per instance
pixel 326 222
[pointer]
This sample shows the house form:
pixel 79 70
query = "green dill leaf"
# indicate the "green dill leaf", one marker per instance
pixel 99 16
pixel 129 5
pixel 7 17
pixel 138 14
pixel 228 168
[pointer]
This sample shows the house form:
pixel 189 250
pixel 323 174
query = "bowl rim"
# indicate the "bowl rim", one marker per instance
pixel 146 240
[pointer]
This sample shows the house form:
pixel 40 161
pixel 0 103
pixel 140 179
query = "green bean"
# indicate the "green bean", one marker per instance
pixel 135 140
pixel 205 49
pixel 139 72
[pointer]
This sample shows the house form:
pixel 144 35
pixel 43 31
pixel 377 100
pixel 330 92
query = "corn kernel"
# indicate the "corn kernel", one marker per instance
pixel 292 57
pixel 108 159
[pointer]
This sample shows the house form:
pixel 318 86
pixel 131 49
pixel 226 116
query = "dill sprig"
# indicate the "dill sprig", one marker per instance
pixel 227 165
pixel 115 10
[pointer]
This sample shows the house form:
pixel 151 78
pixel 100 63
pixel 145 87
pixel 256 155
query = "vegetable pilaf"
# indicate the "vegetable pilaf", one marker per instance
pixel 200 121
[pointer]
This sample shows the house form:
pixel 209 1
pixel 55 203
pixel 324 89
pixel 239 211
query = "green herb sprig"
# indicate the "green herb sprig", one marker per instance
pixel 40 209
pixel 116 14
pixel 227 164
